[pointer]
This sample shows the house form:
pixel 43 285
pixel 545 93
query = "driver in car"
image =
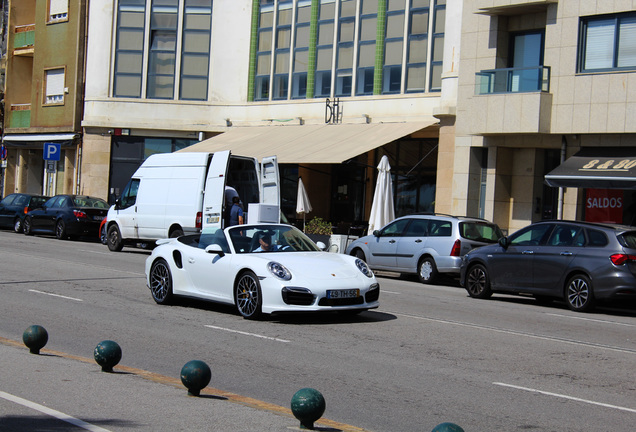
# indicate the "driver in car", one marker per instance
pixel 266 245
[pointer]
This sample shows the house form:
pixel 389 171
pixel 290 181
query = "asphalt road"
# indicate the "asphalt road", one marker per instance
pixel 428 355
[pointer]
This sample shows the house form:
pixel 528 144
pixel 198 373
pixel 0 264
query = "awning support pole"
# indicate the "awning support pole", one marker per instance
pixel 564 145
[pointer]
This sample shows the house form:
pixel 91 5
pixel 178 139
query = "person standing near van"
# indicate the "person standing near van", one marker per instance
pixel 236 212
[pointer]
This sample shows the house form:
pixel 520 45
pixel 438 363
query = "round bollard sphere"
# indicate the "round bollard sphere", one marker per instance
pixel 107 354
pixel 195 375
pixel 308 405
pixel 35 337
pixel 447 427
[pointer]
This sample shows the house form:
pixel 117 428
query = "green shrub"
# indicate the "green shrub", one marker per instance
pixel 318 226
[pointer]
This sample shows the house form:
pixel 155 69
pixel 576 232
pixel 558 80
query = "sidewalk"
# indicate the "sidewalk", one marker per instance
pixel 55 391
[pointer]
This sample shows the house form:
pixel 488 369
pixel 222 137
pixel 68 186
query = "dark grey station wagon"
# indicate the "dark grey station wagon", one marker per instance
pixel 579 262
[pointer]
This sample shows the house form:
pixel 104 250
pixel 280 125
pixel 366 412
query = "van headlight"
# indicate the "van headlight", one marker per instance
pixel 364 268
pixel 279 270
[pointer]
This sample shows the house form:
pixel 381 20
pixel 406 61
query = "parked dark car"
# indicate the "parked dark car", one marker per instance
pixel 67 216
pixel 14 207
pixel 579 262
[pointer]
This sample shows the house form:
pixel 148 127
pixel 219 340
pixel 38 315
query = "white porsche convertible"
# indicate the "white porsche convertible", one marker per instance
pixel 261 269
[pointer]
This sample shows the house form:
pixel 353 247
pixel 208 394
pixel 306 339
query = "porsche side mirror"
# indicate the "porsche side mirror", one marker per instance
pixel 321 246
pixel 215 249
pixel 504 243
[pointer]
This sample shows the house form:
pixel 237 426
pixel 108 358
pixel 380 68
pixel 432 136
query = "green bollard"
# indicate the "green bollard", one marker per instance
pixel 308 405
pixel 107 354
pixel 195 375
pixel 447 427
pixel 35 337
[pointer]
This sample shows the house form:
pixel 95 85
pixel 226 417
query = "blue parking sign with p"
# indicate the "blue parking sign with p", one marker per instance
pixel 52 151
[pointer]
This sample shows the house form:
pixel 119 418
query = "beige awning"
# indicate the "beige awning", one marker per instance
pixel 308 143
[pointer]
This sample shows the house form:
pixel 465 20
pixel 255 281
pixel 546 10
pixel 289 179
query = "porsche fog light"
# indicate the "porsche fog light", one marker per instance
pixel 279 270
pixel 364 268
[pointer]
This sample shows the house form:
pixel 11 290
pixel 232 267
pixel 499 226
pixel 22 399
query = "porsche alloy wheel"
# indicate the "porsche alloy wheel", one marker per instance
pixel 248 297
pixel 161 282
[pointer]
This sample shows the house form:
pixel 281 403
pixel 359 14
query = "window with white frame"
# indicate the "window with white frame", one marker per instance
pixel 58 10
pixel 54 86
pixel 608 43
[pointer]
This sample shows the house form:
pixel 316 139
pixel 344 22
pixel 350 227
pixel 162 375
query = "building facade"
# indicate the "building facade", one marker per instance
pixel 44 85
pixel 328 86
pixel 545 123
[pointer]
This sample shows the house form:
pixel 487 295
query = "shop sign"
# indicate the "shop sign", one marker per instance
pixel 604 205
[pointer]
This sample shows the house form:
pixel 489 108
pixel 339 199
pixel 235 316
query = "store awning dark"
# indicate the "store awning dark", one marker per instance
pixel 597 168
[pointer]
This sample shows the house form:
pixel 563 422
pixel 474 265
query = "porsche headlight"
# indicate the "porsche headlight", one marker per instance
pixel 279 270
pixel 364 268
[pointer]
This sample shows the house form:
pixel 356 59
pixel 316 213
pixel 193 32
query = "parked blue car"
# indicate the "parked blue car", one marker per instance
pixel 67 216
pixel 14 207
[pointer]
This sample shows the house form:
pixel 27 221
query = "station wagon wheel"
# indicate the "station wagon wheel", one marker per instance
pixel 359 254
pixel 478 282
pixel 427 270
pixel 248 296
pixel 17 225
pixel 115 243
pixel 28 227
pixel 161 282
pixel 60 230
pixel 578 293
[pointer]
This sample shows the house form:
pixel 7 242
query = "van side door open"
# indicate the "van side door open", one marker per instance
pixel 212 217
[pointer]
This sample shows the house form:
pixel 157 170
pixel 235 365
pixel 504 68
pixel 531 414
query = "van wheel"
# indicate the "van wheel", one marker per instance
pixel 115 242
pixel 176 233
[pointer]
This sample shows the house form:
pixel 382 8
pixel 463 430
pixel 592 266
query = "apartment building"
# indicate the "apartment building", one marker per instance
pixel 43 101
pixel 546 112
pixel 328 86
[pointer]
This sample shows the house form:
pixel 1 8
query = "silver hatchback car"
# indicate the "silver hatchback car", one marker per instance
pixel 424 244
pixel 580 262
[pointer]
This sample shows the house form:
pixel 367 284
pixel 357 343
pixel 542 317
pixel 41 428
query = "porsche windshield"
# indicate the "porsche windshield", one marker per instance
pixel 270 238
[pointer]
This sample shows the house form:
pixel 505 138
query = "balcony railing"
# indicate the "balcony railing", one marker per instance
pixel 20 116
pixel 24 36
pixel 513 80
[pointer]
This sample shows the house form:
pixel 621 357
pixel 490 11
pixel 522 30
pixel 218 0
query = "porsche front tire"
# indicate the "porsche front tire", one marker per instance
pixel 248 296
pixel 161 282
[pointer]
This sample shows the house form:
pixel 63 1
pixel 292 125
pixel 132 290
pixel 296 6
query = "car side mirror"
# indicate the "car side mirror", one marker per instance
pixel 504 242
pixel 321 246
pixel 376 233
pixel 215 249
pixel 117 204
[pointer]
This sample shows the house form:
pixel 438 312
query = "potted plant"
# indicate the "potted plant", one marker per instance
pixel 318 229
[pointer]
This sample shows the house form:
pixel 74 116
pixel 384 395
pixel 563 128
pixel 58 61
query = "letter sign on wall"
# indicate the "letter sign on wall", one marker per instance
pixel 604 205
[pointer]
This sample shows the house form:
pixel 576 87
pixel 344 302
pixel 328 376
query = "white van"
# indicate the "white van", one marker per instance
pixel 183 193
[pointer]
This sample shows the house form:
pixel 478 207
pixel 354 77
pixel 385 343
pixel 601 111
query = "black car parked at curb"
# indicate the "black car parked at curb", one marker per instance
pixel 67 216
pixel 14 207
pixel 579 262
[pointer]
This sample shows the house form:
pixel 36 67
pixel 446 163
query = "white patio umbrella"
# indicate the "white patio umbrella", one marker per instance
pixel 382 211
pixel 302 201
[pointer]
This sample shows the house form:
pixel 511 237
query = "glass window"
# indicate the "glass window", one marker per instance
pixel 54 86
pixel 8 200
pixel 596 238
pixel 393 48
pixel 564 235
pixel 417 228
pixel 324 49
pixel 129 195
pixel 440 228
pixel 608 42
pixel 395 229
pixel 533 235
pixel 195 53
pixel 129 48
pixel 264 53
pixel 163 46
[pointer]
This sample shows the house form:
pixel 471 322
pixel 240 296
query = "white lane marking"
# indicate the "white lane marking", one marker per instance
pixel 247 334
pixel 390 292
pixel 95 252
pixel 56 295
pixel 566 397
pixel 59 415
pixel 591 319
pixel 518 333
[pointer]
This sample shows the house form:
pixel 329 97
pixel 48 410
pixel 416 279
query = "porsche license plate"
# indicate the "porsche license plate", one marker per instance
pixel 339 294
